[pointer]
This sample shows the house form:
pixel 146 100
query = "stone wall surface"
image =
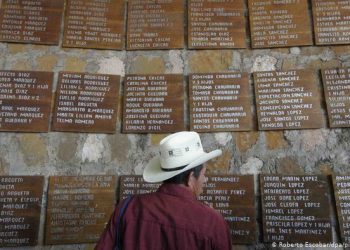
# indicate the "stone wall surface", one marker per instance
pixel 314 151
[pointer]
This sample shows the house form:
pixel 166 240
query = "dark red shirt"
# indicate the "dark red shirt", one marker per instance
pixel 170 218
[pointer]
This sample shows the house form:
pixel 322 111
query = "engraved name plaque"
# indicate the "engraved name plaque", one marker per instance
pixel 36 21
pixel 153 104
pixel 220 102
pixel 216 24
pixel 337 92
pixel 296 208
pixel 155 24
pixel 94 24
pixel 134 184
pixel 231 195
pixel 279 23
pixel 331 21
pixel 86 102
pixel 78 208
pixel 341 185
pixel 20 205
pixel 25 100
pixel 287 100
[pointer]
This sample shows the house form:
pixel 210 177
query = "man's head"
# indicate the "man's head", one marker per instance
pixel 178 153
pixel 193 178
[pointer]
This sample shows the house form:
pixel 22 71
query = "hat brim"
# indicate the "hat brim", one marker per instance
pixel 154 173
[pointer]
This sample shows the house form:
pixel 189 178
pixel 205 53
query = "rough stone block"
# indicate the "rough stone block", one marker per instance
pixel 119 146
pixel 95 149
pixel 325 169
pixel 148 65
pixel 156 138
pixel 264 63
pixel 15 48
pixel 245 140
pixel 33 148
pixel 176 62
pixel 220 164
pixel 210 61
pixel 289 63
pixel 47 62
pixel 280 50
pixel 75 64
pixel 252 166
pixel 22 65
pixel 113 65
pixel 295 50
pixel 309 51
pixel 275 140
pixel 288 166
pixel 40 47
pixel 4 168
pixel 313 138
pixel 319 64
pixel 68 146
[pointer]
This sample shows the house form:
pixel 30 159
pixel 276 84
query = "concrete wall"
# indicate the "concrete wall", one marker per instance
pixel 316 151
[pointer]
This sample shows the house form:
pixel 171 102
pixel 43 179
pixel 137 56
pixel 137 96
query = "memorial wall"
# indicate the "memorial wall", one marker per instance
pixel 89 88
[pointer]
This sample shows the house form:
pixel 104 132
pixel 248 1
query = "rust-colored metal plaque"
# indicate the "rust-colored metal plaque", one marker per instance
pixel 220 102
pixel 153 104
pixel 279 23
pixel 36 21
pixel 331 21
pixel 20 205
pixel 25 100
pixel 216 24
pixel 341 186
pixel 94 24
pixel 337 92
pixel 86 102
pixel 296 208
pixel 231 195
pixel 155 24
pixel 78 208
pixel 287 100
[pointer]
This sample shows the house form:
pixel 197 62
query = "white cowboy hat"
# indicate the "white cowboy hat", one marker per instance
pixel 178 153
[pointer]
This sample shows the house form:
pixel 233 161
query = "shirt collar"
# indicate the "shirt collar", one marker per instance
pixel 176 190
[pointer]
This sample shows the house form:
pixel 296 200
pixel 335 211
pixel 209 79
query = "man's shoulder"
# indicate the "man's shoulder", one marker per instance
pixel 207 208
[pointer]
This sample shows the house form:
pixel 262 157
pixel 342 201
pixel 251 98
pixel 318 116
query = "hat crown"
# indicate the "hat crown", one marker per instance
pixel 180 149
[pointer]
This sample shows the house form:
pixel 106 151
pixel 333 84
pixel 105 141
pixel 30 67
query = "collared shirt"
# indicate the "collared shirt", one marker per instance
pixel 168 219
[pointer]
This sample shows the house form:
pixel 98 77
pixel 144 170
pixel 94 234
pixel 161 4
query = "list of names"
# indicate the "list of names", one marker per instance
pixel 153 103
pixel 220 102
pixel 31 21
pixel 231 195
pixel 94 24
pixel 155 24
pixel 331 21
pixel 287 100
pixel 337 91
pixel 78 208
pixel 276 23
pixel 295 208
pixel 25 100
pixel 216 24
pixel 133 185
pixel 341 185
pixel 20 205
pixel 86 102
